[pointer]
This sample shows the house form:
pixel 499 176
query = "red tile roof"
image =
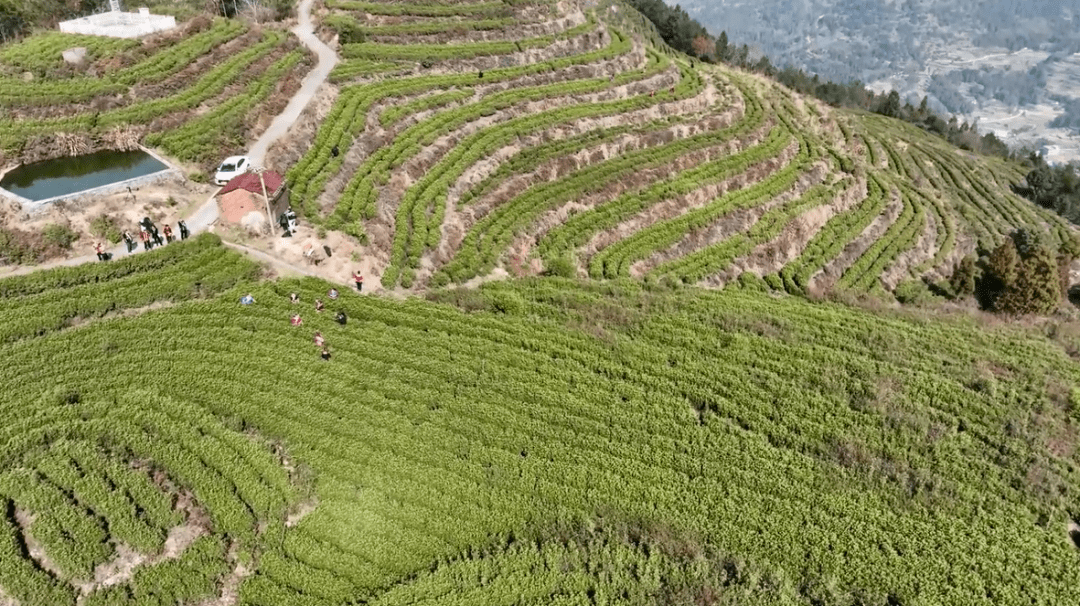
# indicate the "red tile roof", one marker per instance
pixel 250 182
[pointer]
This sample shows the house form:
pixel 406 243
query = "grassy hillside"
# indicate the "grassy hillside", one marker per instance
pixel 468 140
pixel 472 140
pixel 528 442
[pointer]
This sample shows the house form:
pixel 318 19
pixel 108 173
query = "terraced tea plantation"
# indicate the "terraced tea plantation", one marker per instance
pixel 598 435
pixel 194 93
pixel 164 444
pixel 471 140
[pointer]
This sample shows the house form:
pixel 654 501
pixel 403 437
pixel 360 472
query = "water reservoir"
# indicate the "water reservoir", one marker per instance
pixel 63 176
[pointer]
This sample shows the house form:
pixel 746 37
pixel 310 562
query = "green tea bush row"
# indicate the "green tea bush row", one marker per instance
pixel 900 236
pixel 710 260
pixel 426 200
pixel 309 175
pixel 200 139
pixel 837 233
pixel 463 9
pixel 615 260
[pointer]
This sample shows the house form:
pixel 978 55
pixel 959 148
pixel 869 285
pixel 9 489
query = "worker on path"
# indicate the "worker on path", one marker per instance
pixel 168 233
pixel 100 250
pixel 145 239
pixel 183 230
pixel 129 241
pixel 359 279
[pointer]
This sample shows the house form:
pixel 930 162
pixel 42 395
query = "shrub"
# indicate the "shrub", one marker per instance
pixel 349 31
pixel 104 227
pixel 562 266
pixel 14 247
pixel 407 277
pixel 912 292
pixel 751 281
pixel 61 236
pixel 774 282
pixel 505 302
pixel 439 280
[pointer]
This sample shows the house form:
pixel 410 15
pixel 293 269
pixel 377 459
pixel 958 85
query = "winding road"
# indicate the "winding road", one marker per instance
pixel 305 31
pixel 207 214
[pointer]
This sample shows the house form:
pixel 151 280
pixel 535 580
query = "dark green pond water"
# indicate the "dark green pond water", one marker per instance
pixel 62 176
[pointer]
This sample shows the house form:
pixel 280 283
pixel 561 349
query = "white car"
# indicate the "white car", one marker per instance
pixel 231 167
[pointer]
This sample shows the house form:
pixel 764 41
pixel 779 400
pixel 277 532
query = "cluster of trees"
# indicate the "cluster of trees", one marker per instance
pixel 18 17
pixel 1071 118
pixel 1053 187
pixel 1024 275
pixel 257 10
pixel 678 29
pixel 963 135
pixel 687 35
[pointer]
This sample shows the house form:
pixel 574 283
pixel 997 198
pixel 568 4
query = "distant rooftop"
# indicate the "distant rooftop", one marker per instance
pixel 250 182
pixel 117 24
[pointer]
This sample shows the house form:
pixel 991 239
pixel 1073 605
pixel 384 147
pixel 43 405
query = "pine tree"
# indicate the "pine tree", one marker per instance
pixel 964 277
pixel 1037 288
pixel 722 47
pixel 1000 269
pixel 1004 263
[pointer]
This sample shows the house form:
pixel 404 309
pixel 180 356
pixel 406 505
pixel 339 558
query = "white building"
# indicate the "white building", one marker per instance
pixel 118 24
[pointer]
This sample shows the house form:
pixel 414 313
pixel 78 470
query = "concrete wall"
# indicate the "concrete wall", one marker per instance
pixel 119 25
pixel 32 206
pixel 169 174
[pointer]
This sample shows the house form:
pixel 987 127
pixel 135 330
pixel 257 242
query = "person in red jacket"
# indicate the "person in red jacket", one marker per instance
pixel 319 341
pixel 359 281
pixel 145 239
pixel 168 233
pixel 296 320
pixel 100 250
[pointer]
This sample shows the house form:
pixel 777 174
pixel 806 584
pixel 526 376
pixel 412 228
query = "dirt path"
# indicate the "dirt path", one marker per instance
pixel 277 264
pixel 305 31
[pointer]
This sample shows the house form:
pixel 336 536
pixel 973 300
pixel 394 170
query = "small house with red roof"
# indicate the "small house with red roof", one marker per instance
pixel 241 200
